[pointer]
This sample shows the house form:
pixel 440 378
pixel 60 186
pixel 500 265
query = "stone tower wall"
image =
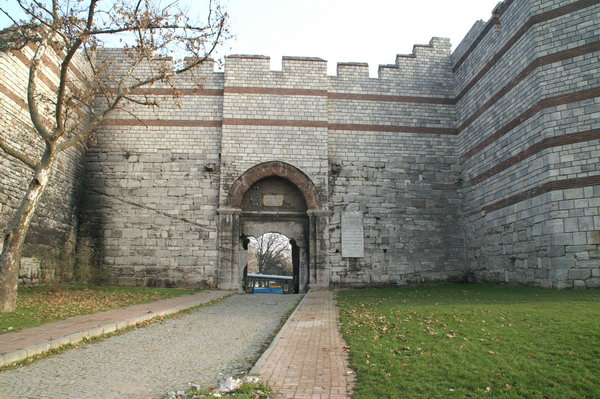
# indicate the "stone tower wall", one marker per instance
pixel 527 91
pixel 50 244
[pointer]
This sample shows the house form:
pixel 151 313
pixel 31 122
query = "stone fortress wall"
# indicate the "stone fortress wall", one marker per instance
pixel 480 164
pixel 382 146
pixel 528 102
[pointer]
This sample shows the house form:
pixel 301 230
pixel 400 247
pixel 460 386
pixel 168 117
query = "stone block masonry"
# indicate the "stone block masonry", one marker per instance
pixel 152 187
pixel 529 144
pixel 49 254
pixel 481 164
pixel 392 149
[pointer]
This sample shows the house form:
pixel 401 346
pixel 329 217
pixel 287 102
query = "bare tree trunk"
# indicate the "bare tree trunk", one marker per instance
pixel 10 259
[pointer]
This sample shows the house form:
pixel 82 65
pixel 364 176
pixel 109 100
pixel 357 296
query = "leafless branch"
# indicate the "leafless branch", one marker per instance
pixel 66 63
pixel 32 102
pixel 55 16
pixel 35 19
pixel 17 154
pixel 63 29
pixel 146 101
pixel 141 17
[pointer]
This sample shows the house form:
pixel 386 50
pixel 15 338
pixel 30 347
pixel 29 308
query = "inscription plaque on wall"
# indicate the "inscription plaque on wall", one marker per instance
pixel 353 244
pixel 273 200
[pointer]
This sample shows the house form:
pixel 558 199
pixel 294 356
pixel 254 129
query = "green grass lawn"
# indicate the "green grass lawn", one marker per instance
pixel 473 341
pixel 39 305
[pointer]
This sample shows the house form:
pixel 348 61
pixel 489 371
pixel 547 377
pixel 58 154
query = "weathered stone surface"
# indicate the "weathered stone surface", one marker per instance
pixel 579 274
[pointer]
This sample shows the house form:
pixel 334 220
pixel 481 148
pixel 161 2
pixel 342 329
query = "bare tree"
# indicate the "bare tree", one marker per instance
pixel 272 252
pixel 68 30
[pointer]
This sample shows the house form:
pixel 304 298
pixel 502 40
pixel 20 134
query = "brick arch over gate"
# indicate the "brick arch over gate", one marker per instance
pixel 274 168
pixel 229 272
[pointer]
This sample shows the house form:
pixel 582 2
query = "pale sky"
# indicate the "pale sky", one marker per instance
pixel 371 31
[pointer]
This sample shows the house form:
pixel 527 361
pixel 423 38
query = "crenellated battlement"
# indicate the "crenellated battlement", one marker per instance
pixel 120 60
pixel 412 73
pixel 305 65
pixel 438 46
pixel 424 72
pixel 255 71
pixel 207 66
pixel 353 70
pixel 253 68
pixel 258 63
pixel 438 49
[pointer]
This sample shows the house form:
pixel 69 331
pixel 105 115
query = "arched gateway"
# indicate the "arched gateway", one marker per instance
pixel 273 197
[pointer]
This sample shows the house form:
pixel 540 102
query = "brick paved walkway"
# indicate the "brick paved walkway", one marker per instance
pixel 307 359
pixel 19 345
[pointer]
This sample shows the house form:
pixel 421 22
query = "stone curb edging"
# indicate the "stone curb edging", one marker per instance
pixel 263 358
pixel 36 349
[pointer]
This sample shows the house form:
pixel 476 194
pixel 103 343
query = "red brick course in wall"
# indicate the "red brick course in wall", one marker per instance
pixel 545 103
pixel 545 60
pixel 549 142
pixel 163 122
pixel 542 189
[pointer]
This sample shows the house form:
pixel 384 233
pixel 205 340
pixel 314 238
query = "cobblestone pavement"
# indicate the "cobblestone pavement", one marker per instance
pixel 308 358
pixel 71 330
pixel 147 363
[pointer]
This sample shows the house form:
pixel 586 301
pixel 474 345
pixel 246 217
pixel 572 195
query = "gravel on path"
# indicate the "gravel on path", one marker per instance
pixel 149 362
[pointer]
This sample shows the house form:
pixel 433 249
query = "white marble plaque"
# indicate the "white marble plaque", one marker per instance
pixel 353 243
pixel 273 200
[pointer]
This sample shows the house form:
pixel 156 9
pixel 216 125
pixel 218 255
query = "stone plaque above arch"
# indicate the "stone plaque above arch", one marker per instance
pixel 274 168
